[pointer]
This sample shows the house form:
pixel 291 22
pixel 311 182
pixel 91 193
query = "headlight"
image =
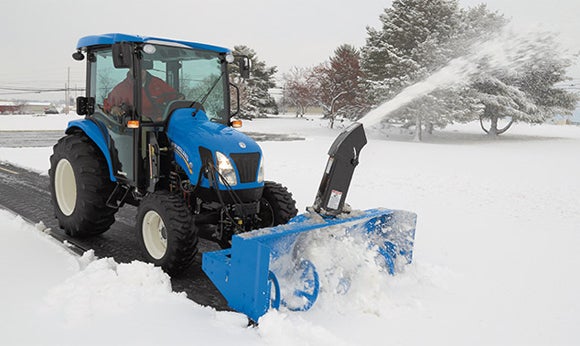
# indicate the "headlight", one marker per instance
pixel 261 170
pixel 226 169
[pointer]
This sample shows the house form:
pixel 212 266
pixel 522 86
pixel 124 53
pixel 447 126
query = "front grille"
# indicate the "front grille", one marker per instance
pixel 247 165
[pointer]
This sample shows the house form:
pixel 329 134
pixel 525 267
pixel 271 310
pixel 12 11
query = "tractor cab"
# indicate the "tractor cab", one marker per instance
pixel 135 83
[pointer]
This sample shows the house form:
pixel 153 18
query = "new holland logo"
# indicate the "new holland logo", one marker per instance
pixel 181 153
pixel 242 145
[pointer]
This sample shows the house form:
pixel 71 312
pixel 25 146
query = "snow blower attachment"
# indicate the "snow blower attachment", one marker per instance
pixel 271 267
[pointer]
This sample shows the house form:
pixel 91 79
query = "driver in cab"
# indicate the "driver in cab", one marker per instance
pixel 155 94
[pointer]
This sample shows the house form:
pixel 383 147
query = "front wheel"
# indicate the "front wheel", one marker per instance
pixel 165 231
pixel 277 206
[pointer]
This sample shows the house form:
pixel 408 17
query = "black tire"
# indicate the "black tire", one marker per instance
pixel 277 206
pixel 165 232
pixel 80 186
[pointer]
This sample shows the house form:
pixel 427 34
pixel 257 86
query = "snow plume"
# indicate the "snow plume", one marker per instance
pixel 505 51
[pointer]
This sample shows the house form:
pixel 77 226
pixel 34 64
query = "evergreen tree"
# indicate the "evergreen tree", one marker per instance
pixel 411 43
pixel 419 37
pixel 414 41
pixel 477 24
pixel 255 100
pixel 526 92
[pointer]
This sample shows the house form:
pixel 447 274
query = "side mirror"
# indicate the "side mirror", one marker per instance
pixel 85 105
pixel 245 65
pixel 123 55
pixel 78 55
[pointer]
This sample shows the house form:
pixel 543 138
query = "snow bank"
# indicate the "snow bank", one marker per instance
pixel 50 296
pixel 134 303
pixel 30 264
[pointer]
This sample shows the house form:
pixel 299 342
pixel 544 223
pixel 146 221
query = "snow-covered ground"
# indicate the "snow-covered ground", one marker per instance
pixel 496 251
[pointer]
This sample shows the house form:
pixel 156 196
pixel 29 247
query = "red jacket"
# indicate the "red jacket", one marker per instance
pixel 155 93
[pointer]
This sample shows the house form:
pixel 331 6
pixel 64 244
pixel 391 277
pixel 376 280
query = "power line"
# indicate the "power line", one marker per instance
pixel 19 93
pixel 33 90
pixel 24 90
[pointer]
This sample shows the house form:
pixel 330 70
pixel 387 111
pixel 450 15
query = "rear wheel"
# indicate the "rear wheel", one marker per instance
pixel 80 186
pixel 277 206
pixel 165 231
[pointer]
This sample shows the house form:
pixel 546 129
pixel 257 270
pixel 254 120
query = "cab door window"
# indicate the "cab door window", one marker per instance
pixel 112 89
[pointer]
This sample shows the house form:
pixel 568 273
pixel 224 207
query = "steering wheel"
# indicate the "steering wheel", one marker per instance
pixel 161 101
pixel 167 97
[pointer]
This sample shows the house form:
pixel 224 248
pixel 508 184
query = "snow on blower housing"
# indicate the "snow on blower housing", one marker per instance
pixel 158 133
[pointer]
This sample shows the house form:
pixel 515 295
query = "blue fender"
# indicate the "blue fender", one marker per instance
pixel 99 136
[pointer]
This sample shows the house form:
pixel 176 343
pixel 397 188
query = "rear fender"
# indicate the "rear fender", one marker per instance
pixel 99 136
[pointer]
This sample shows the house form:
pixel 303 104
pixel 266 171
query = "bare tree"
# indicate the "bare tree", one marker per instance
pixel 339 87
pixel 299 89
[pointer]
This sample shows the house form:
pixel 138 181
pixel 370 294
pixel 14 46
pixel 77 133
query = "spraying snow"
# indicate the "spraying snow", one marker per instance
pixel 343 264
pixel 505 51
pixel 347 267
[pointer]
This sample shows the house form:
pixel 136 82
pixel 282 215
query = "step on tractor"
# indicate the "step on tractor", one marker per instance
pixel 159 133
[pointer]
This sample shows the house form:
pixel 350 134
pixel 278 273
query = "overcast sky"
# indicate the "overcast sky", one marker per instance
pixel 39 36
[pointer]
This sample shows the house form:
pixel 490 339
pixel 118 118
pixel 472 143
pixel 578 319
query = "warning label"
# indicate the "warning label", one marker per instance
pixel 334 199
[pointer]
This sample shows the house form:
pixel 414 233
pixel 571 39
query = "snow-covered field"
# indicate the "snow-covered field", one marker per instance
pixel 496 251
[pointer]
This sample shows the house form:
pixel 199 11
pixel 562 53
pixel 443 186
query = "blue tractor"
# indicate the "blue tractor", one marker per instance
pixel 158 133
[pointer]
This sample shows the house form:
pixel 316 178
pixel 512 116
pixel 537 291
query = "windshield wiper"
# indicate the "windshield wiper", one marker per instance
pixel 204 98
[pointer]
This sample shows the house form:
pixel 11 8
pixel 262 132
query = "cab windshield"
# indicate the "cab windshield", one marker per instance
pixel 173 73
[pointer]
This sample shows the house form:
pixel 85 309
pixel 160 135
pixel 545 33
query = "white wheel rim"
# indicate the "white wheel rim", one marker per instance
pixel 154 234
pixel 65 187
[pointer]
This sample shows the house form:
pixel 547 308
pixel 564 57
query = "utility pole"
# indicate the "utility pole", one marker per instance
pixel 67 93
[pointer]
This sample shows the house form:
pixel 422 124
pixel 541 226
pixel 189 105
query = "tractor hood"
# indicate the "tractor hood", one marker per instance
pixel 195 140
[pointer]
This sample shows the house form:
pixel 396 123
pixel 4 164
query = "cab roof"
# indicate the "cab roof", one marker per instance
pixel 109 39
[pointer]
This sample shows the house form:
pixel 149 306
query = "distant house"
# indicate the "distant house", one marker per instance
pixel 10 107
pixel 38 108
pixel 24 107
pixel 573 119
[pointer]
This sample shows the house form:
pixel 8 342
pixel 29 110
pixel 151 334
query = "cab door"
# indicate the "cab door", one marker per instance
pixel 113 90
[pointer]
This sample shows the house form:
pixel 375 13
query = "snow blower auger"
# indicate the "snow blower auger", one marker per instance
pixel 268 268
